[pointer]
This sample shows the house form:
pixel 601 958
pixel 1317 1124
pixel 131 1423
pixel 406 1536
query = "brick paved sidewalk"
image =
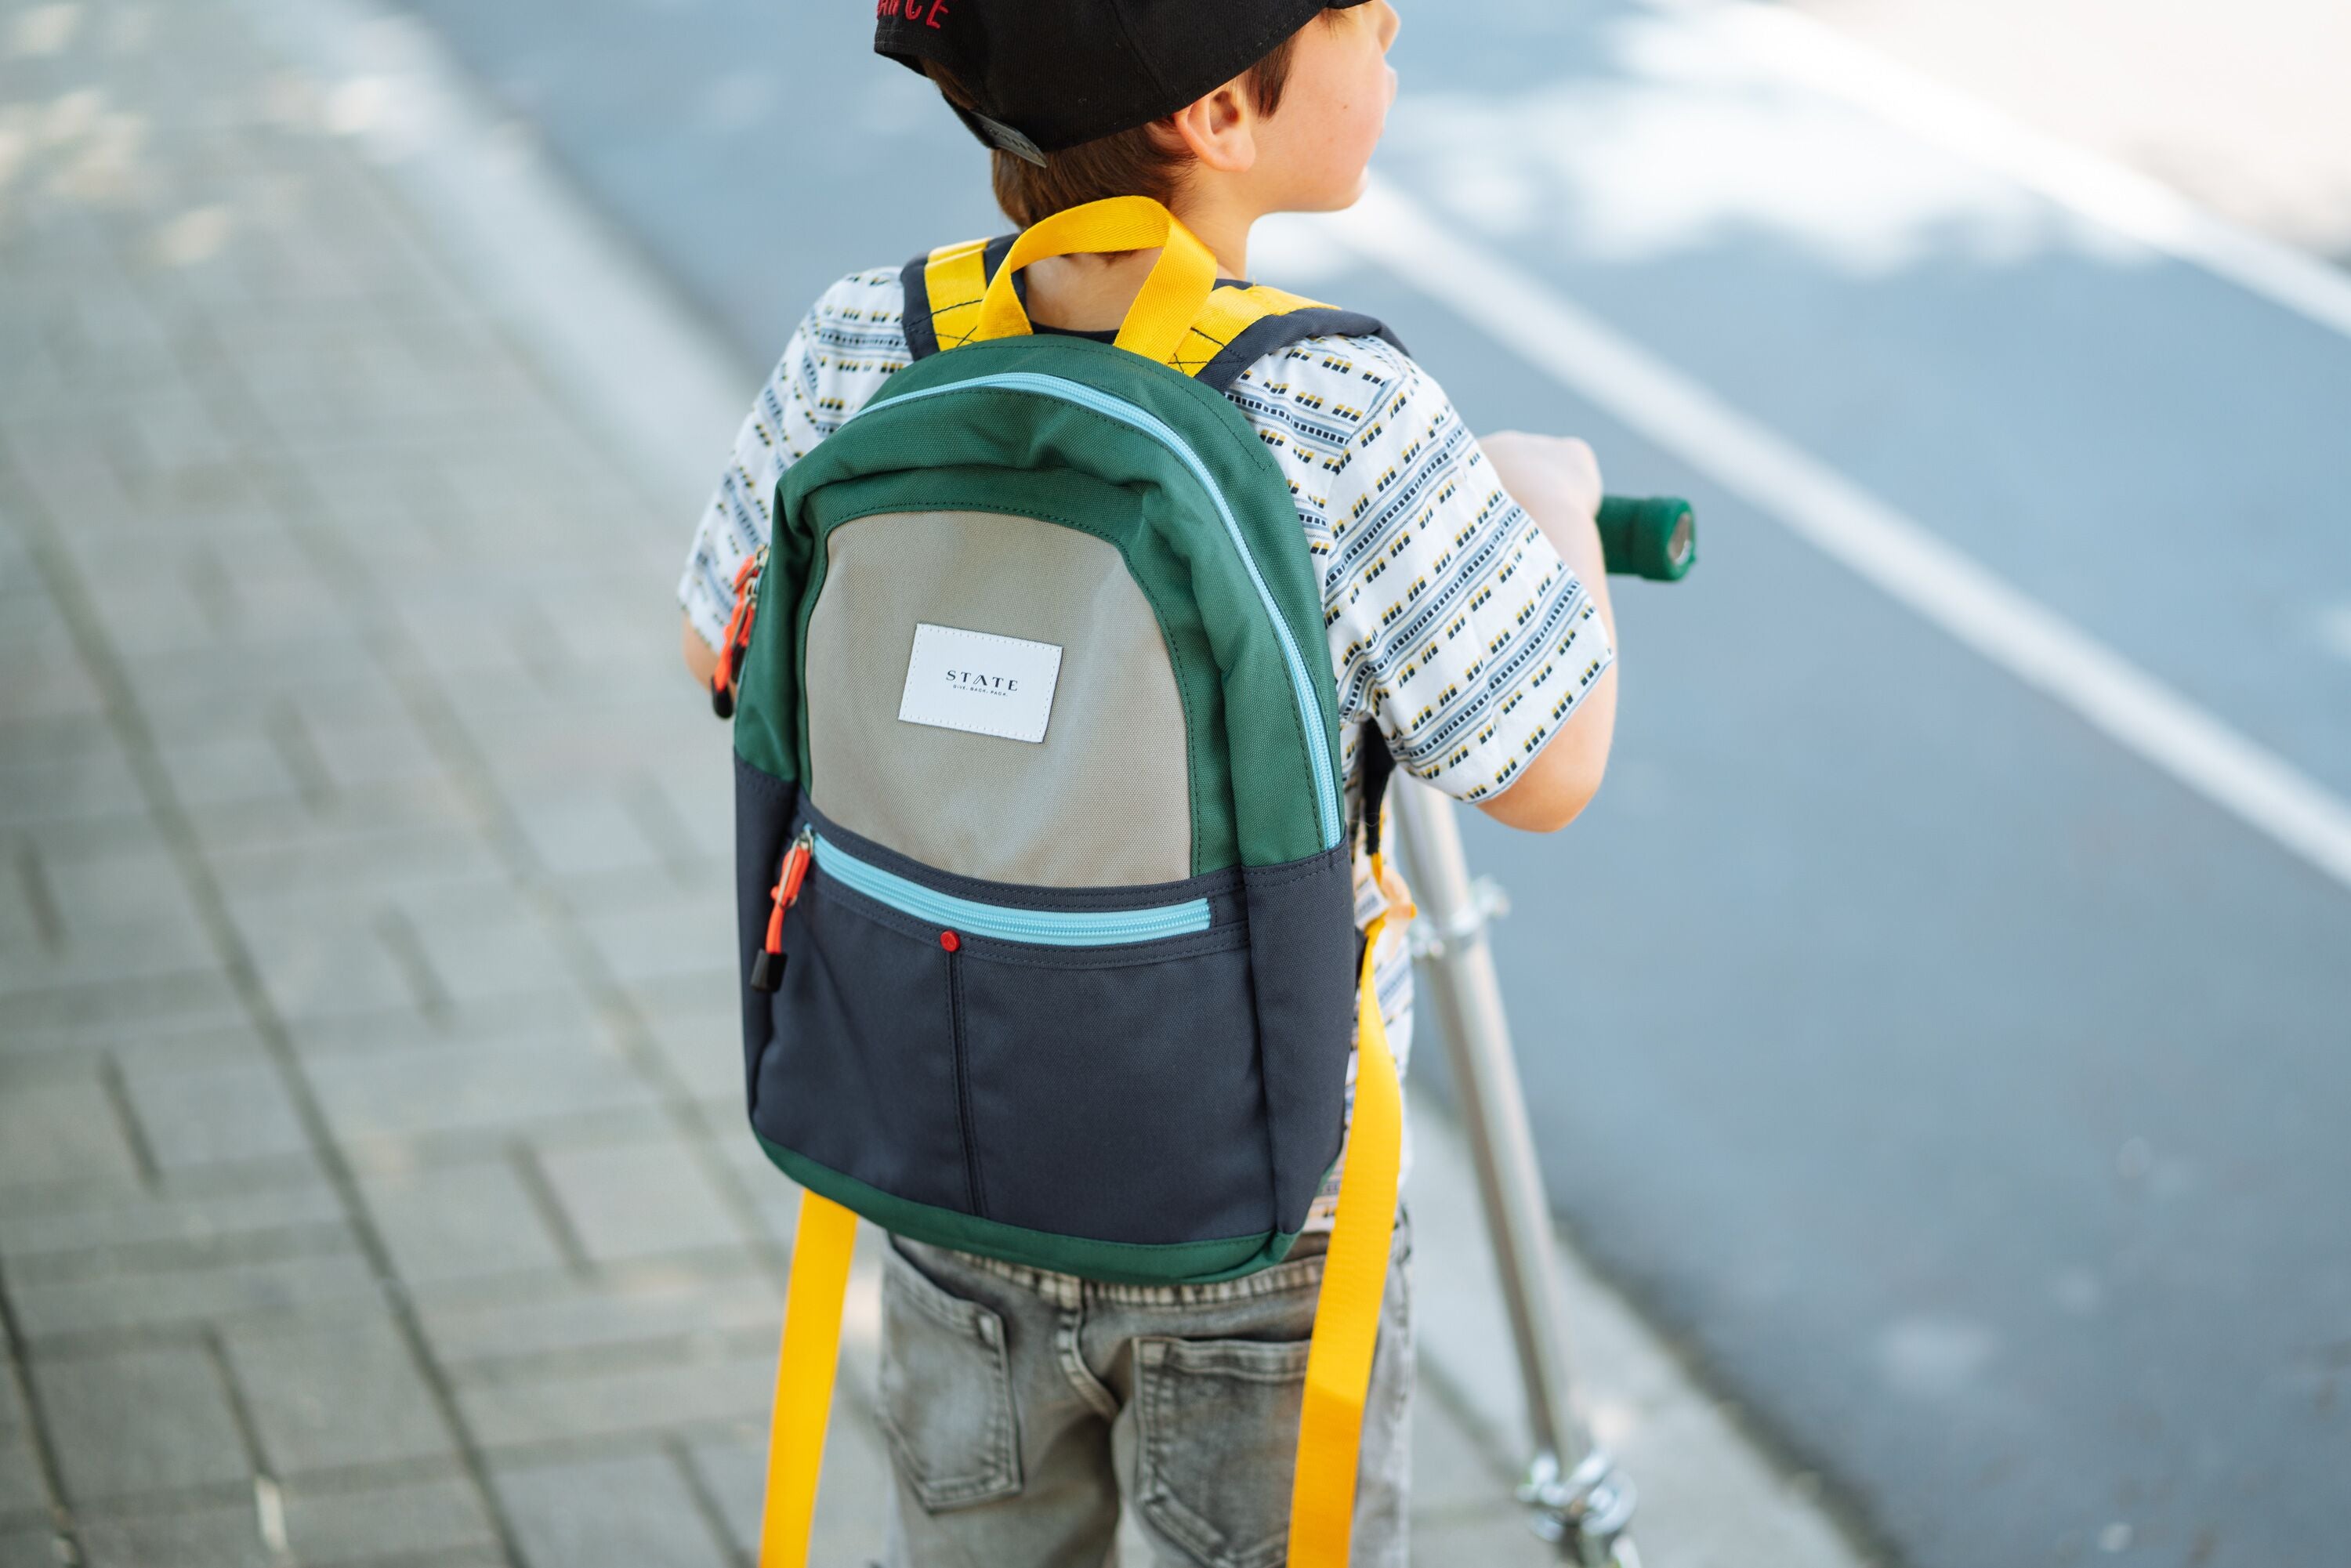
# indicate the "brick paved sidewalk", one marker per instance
pixel 372 1182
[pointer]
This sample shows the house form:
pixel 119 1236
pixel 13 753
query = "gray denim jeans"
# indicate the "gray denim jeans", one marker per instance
pixel 1020 1406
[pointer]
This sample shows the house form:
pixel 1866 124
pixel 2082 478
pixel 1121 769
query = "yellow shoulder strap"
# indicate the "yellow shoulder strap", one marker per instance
pixel 1354 1279
pixel 1231 311
pixel 821 1245
pixel 954 283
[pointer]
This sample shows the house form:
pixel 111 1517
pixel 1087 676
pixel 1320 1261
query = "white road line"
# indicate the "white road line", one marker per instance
pixel 1809 51
pixel 1899 555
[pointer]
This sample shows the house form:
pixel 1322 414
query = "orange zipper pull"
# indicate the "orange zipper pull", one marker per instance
pixel 738 640
pixel 768 968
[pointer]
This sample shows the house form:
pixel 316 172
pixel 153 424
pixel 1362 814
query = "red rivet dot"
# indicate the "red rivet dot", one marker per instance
pixel 950 941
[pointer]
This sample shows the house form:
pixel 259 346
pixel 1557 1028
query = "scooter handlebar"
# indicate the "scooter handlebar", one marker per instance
pixel 1654 536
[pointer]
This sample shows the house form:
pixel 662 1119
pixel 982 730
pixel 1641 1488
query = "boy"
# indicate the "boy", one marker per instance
pixel 1020 1405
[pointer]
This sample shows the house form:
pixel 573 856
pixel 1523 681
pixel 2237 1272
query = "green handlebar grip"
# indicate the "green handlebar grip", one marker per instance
pixel 1654 536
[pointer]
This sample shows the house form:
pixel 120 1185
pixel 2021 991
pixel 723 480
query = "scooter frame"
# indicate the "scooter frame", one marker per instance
pixel 1577 1498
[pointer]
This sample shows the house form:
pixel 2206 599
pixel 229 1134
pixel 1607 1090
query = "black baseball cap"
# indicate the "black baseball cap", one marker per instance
pixel 1049 74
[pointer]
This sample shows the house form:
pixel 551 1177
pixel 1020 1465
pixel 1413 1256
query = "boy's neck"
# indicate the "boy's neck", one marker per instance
pixel 1094 293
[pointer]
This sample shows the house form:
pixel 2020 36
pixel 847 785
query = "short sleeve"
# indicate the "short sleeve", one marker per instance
pixel 1454 623
pixel 851 340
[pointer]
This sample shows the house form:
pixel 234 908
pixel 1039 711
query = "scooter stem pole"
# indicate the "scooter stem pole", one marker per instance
pixel 1571 1483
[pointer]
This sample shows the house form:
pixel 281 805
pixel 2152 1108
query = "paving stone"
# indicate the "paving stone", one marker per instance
pixel 212 1115
pixel 491 1088
pixel 194 688
pixel 192 1220
pixel 138 1421
pixel 115 908
pixel 57 1134
pixel 128 1268
pixel 334 1276
pixel 329 962
pixel 216 768
pixel 632 1512
pixel 442 1521
pixel 460 1222
pixel 499 956
pixel 700 1036
pixel 668 1303
pixel 851 1517
pixel 774 1194
pixel 682 1390
pixel 23 1490
pixel 45 678
pixel 141 1050
pixel 34 1548
pixel 181 598
pixel 358 755
pixel 334 860
pixel 689 936
pixel 1495 1534
pixel 1449 1469
pixel 486 1024
pixel 584 834
pixel 639 1200
pixel 698 786
pixel 459 637
pixel 62 1017
pixel 28 922
pixel 328 1395
pixel 221 1535
pixel 39 786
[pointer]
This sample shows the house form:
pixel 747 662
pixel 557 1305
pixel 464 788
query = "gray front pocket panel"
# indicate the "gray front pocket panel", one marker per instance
pixel 1104 800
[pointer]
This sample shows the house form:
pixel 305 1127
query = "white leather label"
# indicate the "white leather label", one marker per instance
pixel 978 682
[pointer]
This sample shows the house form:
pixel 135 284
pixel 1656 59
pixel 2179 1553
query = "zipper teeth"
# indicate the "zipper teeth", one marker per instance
pixel 1326 791
pixel 1046 927
pixel 968 1123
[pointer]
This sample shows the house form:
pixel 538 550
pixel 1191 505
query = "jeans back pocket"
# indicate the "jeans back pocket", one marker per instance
pixel 1217 1433
pixel 946 1391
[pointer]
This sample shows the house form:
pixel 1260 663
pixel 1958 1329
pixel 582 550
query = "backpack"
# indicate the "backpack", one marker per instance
pixel 1046 902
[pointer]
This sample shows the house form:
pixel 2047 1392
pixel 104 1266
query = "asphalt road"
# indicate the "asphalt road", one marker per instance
pixel 1964 1091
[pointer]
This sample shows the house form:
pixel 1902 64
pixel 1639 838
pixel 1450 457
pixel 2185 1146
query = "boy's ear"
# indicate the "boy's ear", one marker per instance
pixel 1220 130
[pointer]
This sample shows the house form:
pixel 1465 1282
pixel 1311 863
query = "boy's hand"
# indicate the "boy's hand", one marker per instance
pixel 1557 479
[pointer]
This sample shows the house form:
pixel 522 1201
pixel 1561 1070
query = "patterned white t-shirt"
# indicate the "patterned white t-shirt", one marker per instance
pixel 1452 621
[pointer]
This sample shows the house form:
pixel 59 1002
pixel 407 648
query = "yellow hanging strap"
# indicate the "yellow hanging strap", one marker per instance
pixel 956 281
pixel 1182 318
pixel 821 1244
pixel 1171 297
pixel 1354 1278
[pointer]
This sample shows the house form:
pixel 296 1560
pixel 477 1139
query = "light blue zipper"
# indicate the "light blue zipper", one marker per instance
pixel 1046 927
pixel 1309 716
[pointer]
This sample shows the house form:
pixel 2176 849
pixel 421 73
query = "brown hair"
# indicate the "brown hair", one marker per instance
pixel 1136 163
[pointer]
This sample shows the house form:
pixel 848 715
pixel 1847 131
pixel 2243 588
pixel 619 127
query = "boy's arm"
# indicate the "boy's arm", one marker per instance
pixel 701 658
pixel 1557 480
pixel 1466 588
pixel 734 521
pixel 845 348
